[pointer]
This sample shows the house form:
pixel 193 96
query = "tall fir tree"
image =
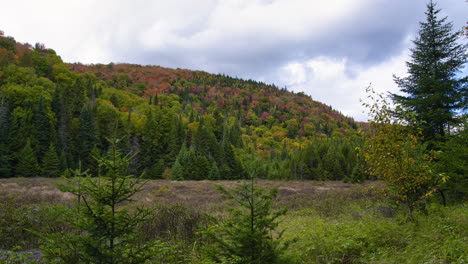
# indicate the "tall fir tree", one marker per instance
pixel 27 162
pixel 4 120
pixel 176 138
pixel 21 129
pixel 432 89
pixel 5 167
pixel 214 173
pixel 43 128
pixel 235 168
pixel 51 162
pixel 88 135
pixel 93 162
pixel 199 142
pixel 150 146
pixel 177 171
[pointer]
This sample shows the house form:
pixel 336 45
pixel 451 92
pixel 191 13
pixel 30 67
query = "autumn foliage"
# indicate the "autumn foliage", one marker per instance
pixel 396 155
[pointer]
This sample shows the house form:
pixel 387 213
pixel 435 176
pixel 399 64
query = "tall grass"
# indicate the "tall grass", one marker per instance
pixel 439 237
pixel 334 222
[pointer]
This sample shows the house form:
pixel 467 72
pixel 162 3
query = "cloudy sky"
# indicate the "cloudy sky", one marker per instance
pixel 330 49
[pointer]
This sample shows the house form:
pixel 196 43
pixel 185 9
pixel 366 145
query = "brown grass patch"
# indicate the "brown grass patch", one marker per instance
pixel 199 195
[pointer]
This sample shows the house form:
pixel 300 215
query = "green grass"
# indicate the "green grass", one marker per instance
pixel 333 222
pixel 440 237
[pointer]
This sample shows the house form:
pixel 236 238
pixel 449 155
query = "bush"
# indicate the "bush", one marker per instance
pixel 174 222
pixel 16 223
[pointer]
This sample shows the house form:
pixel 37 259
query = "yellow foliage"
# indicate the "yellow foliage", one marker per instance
pixel 396 155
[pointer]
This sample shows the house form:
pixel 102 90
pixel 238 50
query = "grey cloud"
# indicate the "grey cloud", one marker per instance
pixel 252 39
pixel 364 38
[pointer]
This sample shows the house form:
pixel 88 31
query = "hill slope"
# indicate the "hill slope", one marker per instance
pixel 203 90
pixel 183 124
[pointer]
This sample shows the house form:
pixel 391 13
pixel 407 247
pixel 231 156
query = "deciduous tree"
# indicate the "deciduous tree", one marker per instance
pixel 396 155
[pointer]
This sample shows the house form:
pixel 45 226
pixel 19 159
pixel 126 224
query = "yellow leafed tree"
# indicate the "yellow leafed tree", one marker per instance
pixel 396 155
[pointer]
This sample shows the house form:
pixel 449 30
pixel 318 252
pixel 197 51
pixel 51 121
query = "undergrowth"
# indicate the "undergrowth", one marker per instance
pixel 439 237
pixel 345 224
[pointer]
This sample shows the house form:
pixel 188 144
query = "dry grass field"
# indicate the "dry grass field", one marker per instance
pixel 200 195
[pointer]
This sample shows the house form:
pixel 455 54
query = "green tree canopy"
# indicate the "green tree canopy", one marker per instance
pixel 432 88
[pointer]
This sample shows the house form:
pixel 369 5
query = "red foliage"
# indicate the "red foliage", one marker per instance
pixel 264 116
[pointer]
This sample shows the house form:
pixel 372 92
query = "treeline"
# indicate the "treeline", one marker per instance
pixel 202 127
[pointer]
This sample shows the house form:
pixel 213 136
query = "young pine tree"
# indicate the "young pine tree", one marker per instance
pixel 178 171
pixel 103 230
pixel 51 162
pixel 249 236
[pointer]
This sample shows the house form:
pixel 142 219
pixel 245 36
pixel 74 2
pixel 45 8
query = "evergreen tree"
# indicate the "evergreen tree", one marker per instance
pixel 225 172
pixel 102 231
pixel 453 161
pixel 150 146
pixel 88 135
pixel 27 162
pixel 218 126
pixel 43 128
pixel 189 163
pixel 235 168
pixel 178 172
pixel 247 236
pixel 200 138
pixel 156 170
pixel 432 89
pixel 214 173
pixel 357 175
pixel 21 129
pixel 4 120
pixel 93 161
pixel 201 168
pixel 180 167
pixel 214 148
pixel 234 135
pixel 5 167
pixel 51 163
pixel 63 161
pixel 176 138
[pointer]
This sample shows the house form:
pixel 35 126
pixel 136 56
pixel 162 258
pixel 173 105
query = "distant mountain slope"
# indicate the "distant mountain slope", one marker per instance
pixel 181 124
pixel 202 90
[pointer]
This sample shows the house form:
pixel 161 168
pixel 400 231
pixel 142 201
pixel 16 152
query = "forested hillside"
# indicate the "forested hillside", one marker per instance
pixel 181 124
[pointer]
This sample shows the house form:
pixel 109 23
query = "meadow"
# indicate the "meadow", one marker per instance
pixel 332 222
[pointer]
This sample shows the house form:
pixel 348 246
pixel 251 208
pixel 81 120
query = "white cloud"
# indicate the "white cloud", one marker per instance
pixel 329 49
pixel 328 80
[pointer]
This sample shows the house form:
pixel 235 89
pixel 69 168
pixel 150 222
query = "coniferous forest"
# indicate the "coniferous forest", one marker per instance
pixel 125 163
